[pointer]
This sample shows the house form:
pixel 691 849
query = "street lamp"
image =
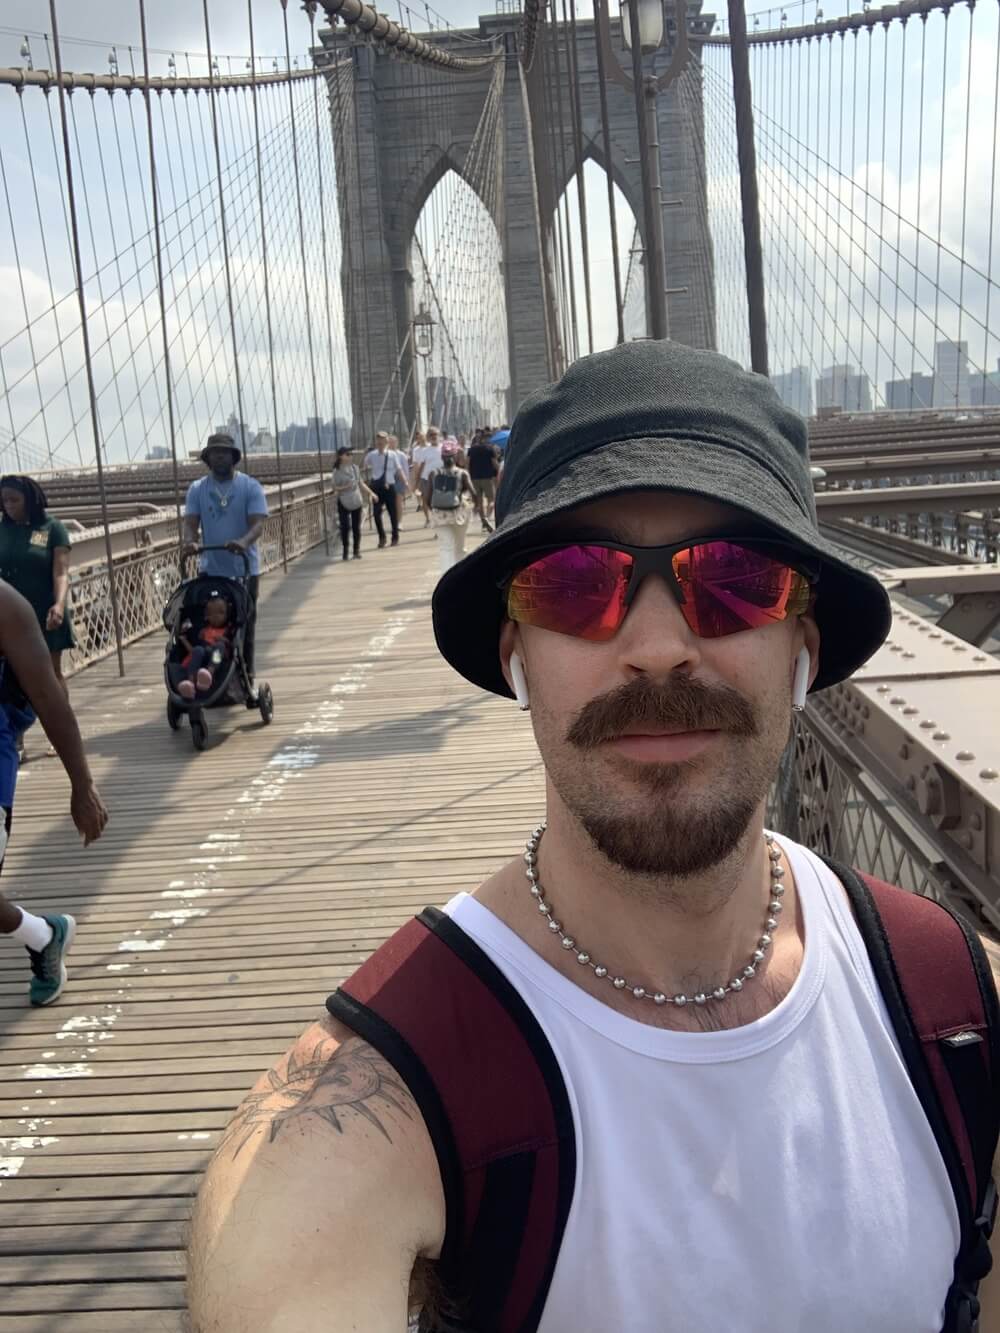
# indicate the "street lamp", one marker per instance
pixel 423 332
pixel 643 33
pixel 650 25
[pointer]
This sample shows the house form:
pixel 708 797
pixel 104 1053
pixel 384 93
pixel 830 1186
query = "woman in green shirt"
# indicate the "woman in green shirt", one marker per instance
pixel 34 559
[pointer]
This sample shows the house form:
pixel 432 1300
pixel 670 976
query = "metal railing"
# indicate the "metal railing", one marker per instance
pixel 824 799
pixel 144 580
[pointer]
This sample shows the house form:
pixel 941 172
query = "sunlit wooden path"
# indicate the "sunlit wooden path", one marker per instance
pixel 233 889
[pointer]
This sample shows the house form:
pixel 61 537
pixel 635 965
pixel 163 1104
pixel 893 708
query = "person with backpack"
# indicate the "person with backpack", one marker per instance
pixel 449 487
pixel 667 1069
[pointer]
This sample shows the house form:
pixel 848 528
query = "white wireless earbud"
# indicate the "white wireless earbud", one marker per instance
pixel 520 684
pixel 800 683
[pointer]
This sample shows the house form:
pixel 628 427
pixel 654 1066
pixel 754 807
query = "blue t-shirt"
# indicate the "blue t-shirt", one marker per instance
pixel 224 508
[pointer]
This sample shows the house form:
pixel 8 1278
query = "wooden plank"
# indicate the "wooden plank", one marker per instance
pixel 232 892
pixel 105 1321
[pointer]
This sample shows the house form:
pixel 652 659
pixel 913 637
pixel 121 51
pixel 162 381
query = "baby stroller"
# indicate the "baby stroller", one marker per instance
pixel 231 683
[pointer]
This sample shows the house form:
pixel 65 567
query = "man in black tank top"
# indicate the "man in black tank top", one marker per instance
pixel 660 597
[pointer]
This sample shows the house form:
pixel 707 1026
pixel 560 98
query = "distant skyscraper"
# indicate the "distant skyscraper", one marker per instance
pixel 794 389
pixel 843 387
pixel 910 394
pixel 951 374
pixel 984 389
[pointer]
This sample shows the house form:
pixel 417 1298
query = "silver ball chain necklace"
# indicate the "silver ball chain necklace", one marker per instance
pixel 639 992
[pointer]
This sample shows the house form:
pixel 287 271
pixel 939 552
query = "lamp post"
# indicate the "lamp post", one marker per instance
pixel 423 345
pixel 643 33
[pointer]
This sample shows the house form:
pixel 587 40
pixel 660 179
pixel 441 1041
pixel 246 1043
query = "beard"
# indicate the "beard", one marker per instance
pixel 664 821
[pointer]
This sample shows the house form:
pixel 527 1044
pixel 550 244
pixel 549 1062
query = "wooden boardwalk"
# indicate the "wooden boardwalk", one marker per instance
pixel 232 891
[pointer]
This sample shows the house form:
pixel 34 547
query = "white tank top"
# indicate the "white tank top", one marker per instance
pixel 772 1178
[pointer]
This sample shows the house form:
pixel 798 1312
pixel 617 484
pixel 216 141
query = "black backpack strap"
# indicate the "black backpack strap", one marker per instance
pixel 495 1104
pixel 938 989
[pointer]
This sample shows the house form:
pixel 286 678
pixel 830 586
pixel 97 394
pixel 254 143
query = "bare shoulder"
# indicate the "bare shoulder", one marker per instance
pixel 329 1080
pixel 325 1183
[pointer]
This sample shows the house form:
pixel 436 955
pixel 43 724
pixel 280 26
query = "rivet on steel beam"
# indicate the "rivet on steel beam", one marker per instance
pixel 883 689
pixel 897 700
pixel 904 752
pixel 909 655
pixel 979 657
pixel 936 635
pixel 911 711
pixel 942 736
pixel 964 756
pixel 976 821
pixel 965 840
pixel 959 648
pixel 896 648
pixel 928 724
pixel 866 712
pixel 989 774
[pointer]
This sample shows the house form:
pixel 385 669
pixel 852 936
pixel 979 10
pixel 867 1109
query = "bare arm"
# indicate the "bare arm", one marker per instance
pixel 323 1193
pixel 60 587
pixel 989 1288
pixel 192 523
pixel 22 644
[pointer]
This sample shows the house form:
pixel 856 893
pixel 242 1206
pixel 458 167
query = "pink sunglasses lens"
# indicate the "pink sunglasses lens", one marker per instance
pixel 578 590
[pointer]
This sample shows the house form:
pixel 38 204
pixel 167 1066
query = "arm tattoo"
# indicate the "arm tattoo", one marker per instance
pixel 321 1081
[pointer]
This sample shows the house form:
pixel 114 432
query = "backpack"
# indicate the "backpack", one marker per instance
pixel 493 1098
pixel 446 489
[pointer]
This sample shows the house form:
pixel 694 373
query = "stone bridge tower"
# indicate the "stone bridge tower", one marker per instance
pixel 387 170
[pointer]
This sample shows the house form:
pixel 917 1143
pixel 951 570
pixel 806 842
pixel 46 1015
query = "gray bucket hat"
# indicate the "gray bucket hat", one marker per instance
pixel 655 415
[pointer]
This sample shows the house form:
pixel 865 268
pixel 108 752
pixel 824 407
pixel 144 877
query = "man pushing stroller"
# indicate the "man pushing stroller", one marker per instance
pixel 230 508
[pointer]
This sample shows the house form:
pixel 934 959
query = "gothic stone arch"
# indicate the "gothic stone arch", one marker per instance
pixel 396 168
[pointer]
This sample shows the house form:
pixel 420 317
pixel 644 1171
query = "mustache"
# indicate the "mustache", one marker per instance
pixel 686 704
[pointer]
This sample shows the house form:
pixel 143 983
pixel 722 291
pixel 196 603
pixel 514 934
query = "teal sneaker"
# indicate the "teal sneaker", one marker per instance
pixel 48 969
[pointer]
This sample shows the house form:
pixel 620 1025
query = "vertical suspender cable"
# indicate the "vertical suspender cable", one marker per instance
pixel 965 213
pixel 158 241
pixel 85 335
pixel 305 278
pixel 608 170
pixel 992 216
pixel 573 62
pixel 748 184
pixel 322 232
pixel 225 237
pixel 283 537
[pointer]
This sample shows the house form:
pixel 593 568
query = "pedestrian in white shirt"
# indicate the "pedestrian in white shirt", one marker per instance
pixel 382 465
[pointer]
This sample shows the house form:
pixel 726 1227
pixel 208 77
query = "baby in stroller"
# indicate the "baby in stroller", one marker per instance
pixel 212 648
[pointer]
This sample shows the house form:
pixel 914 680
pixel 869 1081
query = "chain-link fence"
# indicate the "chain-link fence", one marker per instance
pixel 145 579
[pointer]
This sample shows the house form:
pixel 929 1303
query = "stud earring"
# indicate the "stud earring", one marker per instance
pixel 520 684
pixel 800 683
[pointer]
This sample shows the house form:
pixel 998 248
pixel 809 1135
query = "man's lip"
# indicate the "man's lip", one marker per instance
pixel 660 731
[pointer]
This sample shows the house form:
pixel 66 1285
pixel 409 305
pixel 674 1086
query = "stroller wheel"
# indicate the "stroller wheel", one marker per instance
pixel 199 732
pixel 173 715
pixel 266 703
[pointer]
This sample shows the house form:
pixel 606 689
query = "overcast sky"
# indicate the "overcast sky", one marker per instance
pixel 897 164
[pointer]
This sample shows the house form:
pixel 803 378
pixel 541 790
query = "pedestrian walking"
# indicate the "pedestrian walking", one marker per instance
pixel 350 491
pixel 401 481
pixel 35 561
pixel 667 1069
pixel 426 460
pixel 230 509
pixel 450 487
pixel 381 466
pixel 29 686
pixel 484 468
